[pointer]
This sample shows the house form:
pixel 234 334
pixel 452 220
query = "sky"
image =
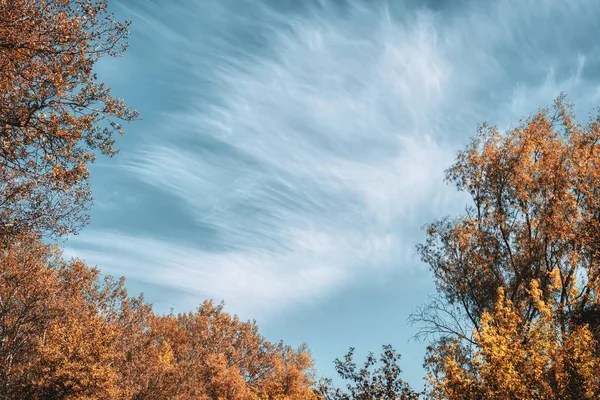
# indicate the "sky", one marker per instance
pixel 289 152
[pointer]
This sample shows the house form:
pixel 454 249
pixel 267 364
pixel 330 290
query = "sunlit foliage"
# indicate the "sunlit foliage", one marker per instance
pixel 518 273
pixel 65 333
pixel 55 115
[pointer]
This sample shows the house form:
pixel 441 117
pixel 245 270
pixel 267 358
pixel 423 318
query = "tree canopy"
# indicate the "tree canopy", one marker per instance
pixel 66 333
pixel 518 273
pixel 55 115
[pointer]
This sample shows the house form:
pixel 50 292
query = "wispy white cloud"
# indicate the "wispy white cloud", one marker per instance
pixel 316 151
pixel 249 281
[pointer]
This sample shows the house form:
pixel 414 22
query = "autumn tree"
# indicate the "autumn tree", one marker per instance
pixel 146 367
pixel 54 342
pixel 369 383
pixel 532 230
pixel 55 115
pixel 215 355
pixel 67 333
pixel 25 312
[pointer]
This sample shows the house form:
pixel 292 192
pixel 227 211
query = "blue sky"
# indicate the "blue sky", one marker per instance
pixel 289 151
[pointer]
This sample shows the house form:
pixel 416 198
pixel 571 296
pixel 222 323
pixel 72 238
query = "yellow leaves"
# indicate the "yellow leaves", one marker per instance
pixel 536 294
pixel 519 359
pixel 165 357
pixel 556 279
pixel 223 380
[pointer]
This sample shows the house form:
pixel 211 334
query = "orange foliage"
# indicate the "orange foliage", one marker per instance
pixel 519 273
pixel 218 356
pixel 54 113
pixel 66 334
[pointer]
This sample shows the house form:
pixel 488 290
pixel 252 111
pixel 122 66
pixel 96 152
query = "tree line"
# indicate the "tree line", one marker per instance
pixel 516 314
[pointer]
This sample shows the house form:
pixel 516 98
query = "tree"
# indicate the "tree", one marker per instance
pixel 382 383
pixel 532 230
pixel 218 356
pixel 66 333
pixel 55 115
pixel 26 287
pixel 54 342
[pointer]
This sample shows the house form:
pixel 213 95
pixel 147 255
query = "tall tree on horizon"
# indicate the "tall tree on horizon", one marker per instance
pixel 529 242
